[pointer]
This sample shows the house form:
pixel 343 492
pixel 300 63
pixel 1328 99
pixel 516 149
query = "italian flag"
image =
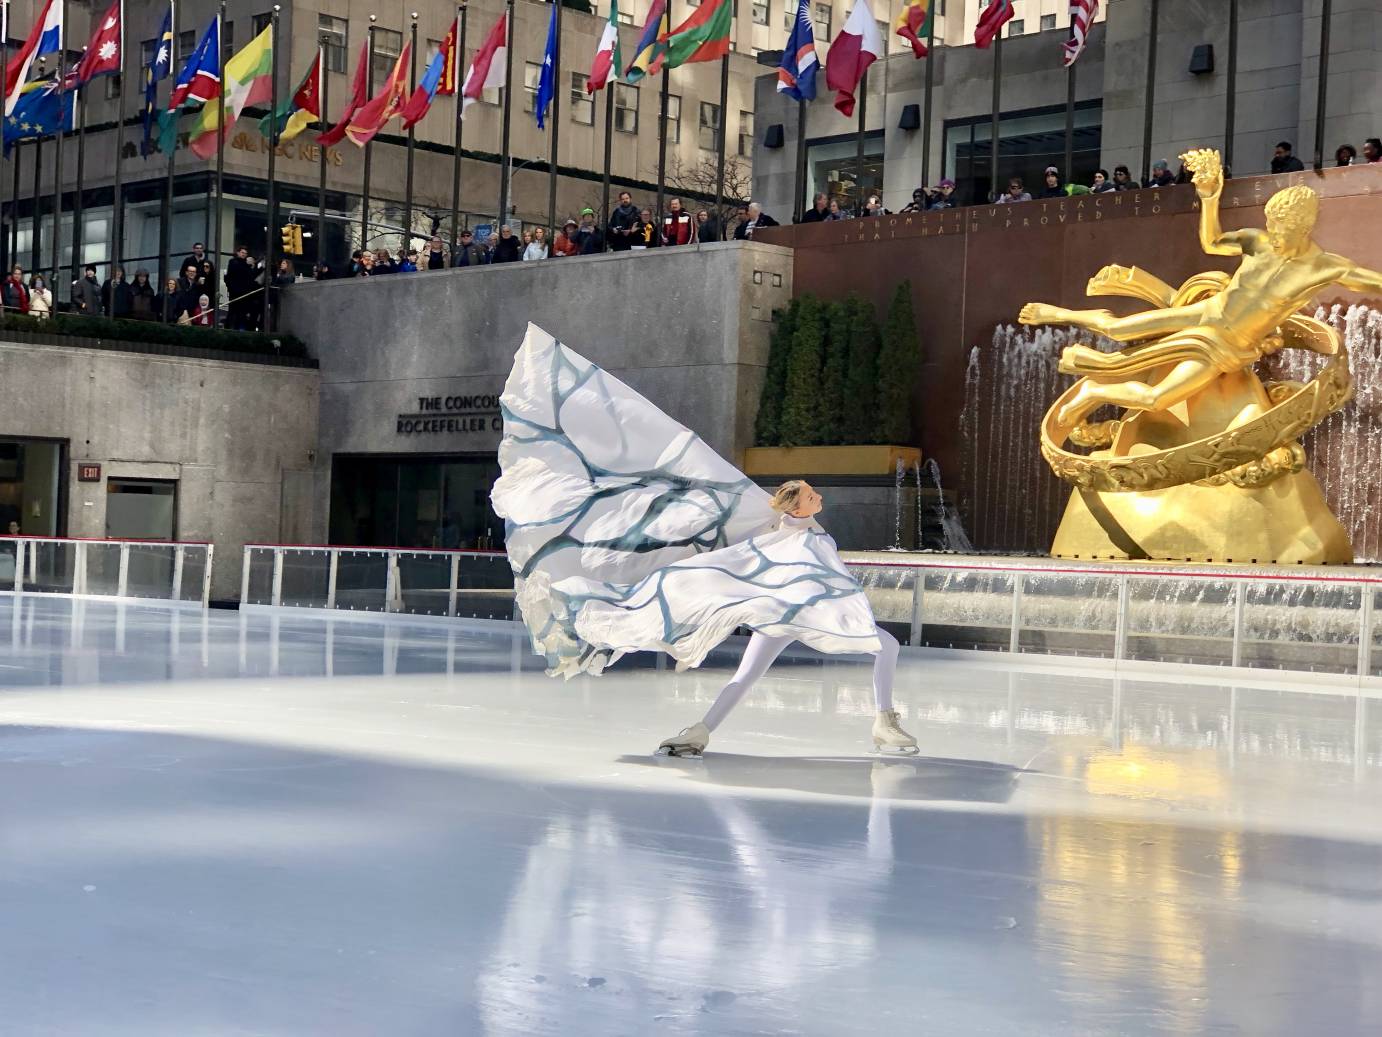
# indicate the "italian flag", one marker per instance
pixel 702 37
pixel 247 82
pixel 607 56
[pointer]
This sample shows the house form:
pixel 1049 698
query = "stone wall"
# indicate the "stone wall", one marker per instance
pixel 238 438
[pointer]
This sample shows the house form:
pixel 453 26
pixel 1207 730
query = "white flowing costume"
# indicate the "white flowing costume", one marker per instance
pixel 627 533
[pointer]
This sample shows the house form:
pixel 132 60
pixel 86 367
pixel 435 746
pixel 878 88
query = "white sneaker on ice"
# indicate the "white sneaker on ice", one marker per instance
pixel 888 735
pixel 690 741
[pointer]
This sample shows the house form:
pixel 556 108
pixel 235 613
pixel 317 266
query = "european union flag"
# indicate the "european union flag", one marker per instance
pixel 155 72
pixel 38 113
pixel 546 84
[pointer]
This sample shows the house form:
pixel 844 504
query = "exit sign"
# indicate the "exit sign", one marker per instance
pixel 88 473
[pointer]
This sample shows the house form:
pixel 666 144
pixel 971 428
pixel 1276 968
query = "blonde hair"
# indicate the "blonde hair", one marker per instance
pixel 788 496
pixel 1295 208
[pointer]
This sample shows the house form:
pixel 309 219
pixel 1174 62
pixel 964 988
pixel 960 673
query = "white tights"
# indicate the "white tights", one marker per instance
pixel 761 652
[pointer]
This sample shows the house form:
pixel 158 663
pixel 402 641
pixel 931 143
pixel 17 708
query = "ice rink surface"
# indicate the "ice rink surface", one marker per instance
pixel 289 824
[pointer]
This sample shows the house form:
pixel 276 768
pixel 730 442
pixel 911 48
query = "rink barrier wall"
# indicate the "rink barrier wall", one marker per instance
pixel 154 569
pixel 1212 619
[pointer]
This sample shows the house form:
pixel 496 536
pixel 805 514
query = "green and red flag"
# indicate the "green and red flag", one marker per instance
pixel 702 37
pixel 914 25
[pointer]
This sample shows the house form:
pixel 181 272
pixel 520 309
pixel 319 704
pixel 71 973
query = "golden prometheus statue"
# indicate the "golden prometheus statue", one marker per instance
pixel 1204 464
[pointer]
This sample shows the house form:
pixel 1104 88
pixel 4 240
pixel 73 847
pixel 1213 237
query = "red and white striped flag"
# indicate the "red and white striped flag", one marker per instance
pixel 1082 15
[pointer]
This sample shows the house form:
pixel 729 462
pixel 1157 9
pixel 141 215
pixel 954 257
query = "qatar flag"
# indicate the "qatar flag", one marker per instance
pixel 857 47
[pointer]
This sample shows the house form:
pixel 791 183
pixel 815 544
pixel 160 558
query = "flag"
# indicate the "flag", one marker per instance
pixel 359 91
pixel 486 70
pixel 44 38
pixel 857 47
pixel 702 37
pixel 441 68
pixel 247 82
pixel 607 56
pixel 102 57
pixel 383 106
pixel 198 82
pixel 914 25
pixel 39 112
pixel 796 74
pixel 545 85
pixel 1082 15
pixel 301 109
pixel 154 73
pixel 650 52
pixel 991 22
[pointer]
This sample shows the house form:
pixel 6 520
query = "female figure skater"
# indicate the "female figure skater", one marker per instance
pixel 626 533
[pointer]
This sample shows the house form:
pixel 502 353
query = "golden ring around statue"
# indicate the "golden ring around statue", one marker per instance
pixel 1214 457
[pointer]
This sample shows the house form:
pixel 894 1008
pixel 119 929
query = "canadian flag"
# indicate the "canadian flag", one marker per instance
pixel 486 72
pixel 857 47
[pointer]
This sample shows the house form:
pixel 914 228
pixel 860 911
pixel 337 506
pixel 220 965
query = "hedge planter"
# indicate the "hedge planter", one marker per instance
pixel 806 461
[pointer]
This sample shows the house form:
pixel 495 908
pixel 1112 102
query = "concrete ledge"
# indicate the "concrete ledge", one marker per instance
pixel 806 461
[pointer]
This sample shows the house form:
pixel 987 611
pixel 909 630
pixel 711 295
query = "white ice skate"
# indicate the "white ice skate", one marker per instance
pixel 888 736
pixel 690 741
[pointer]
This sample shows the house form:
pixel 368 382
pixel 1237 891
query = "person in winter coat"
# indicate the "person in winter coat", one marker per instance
pixel 1052 187
pixel 241 280
pixel 944 196
pixel 757 218
pixel 564 244
pixel 409 264
pixel 143 298
pixel 645 233
pixel 115 295
pixel 468 251
pixel 383 263
pixel 537 248
pixel 86 294
pixel 623 223
pixel 508 248
pixel 707 229
pixel 836 212
pixel 202 262
pixel 1102 184
pixel 873 206
pixel 40 298
pixel 678 228
pixel 589 240
pixel 168 310
pixel 436 254
pixel 16 294
pixel 201 314
pixel 819 211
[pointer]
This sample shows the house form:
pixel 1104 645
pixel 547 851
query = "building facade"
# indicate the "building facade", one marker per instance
pixel 1276 95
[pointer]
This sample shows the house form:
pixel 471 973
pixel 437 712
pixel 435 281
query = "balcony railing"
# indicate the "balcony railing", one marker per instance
pixel 156 570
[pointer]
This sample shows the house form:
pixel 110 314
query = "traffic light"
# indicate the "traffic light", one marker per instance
pixel 292 240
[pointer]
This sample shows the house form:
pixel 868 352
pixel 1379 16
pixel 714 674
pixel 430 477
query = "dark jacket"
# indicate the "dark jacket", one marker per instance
pixel 116 298
pixel 589 240
pixel 645 234
pixel 1289 164
pixel 86 297
pixel 814 215
pixel 143 301
pixel 16 295
pixel 206 258
pixel 742 232
pixel 507 250
pixel 240 276
pixel 436 260
pixel 622 224
pixel 708 231
pixel 468 255
pixel 1163 179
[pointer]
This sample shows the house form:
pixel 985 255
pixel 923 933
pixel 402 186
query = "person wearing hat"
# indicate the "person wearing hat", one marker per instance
pixel 943 197
pixel 564 244
pixel 1161 174
pixel 468 251
pixel 589 240
pixel 919 202
pixel 1052 188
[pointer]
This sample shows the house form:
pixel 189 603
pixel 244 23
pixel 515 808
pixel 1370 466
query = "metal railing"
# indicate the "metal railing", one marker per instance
pixel 453 583
pixel 154 569
pixel 1133 617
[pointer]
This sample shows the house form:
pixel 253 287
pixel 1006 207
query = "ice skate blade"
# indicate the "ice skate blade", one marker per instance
pixel 679 754
pixel 895 750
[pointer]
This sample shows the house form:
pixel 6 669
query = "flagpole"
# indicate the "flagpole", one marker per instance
pixel 4 78
pixel 720 220
pixel 369 145
pixel 57 165
pixel 37 235
pixel 323 91
pixel 117 221
pixel 77 206
pixel 412 147
pixel 503 216
pixel 799 206
pixel 1321 108
pixel 217 237
pixel 556 127
pixel 930 87
pixel 1070 109
pixel 1153 12
pixel 270 262
pixel 662 145
pixel 609 142
pixel 859 142
pixel 1231 97
pixel 997 111
pixel 14 209
pixel 166 210
pixel 458 78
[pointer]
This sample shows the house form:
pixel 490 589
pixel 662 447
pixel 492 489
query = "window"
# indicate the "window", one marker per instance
pixel 228 37
pixel 260 22
pixel 709 137
pixel 187 43
pixel 532 74
pixel 333 31
pixel 625 18
pixel 388 45
pixel 625 108
pixel 745 134
pixel 1016 27
pixel 582 103
pixel 1048 21
pixel 760 12
pixel 673 118
pixel 824 12
pixel 789 15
